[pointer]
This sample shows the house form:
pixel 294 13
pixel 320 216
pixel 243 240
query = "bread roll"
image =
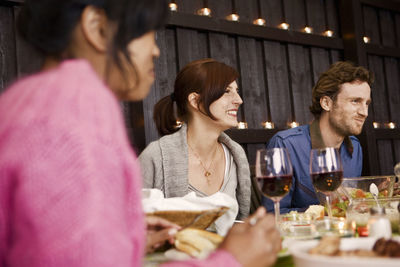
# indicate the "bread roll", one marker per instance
pixel 196 242
pixel 317 211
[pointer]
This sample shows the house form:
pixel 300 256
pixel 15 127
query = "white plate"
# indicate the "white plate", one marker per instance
pixel 302 258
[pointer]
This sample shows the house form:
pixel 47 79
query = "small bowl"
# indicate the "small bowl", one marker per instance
pixel 358 187
pixel 359 212
pixel 296 225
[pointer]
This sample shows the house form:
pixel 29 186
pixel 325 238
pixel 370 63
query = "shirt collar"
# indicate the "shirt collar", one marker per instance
pixel 318 142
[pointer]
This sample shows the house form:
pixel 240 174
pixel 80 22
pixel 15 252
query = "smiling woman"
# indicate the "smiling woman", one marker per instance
pixel 199 157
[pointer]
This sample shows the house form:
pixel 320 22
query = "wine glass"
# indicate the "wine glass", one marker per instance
pixel 326 172
pixel 274 175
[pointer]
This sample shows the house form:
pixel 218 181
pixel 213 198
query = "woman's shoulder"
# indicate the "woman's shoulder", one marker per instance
pixel 230 143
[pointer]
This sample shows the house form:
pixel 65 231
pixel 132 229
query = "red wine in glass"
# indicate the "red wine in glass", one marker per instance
pixel 275 186
pixel 327 181
pixel 274 175
pixel 326 172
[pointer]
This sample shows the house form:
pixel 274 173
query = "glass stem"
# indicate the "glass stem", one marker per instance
pixel 328 204
pixel 277 212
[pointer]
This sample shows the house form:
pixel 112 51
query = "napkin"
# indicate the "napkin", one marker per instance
pixel 153 200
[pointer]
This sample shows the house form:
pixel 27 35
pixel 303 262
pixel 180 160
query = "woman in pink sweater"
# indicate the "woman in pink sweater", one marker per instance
pixel 69 181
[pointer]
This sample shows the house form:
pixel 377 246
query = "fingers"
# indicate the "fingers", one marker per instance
pixel 158 238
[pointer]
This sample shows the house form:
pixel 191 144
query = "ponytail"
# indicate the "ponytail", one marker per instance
pixel 164 115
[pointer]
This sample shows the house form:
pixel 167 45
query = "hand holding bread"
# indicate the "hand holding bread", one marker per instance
pixel 255 242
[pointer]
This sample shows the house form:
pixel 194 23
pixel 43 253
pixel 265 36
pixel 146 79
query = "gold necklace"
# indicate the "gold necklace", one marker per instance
pixel 207 172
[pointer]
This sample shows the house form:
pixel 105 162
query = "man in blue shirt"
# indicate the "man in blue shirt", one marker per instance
pixel 340 102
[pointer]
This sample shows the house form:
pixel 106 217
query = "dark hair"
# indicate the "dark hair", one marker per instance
pixel 330 81
pixel 207 77
pixel 48 24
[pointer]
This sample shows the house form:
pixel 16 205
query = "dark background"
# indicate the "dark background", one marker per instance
pixel 278 68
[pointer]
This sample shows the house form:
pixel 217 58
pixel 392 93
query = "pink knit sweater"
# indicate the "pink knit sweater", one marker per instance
pixel 69 181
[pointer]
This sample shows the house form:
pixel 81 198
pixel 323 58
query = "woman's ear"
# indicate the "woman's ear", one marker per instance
pixel 326 103
pixel 94 27
pixel 193 100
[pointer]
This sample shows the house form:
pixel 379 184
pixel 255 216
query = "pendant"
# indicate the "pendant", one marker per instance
pixel 207 173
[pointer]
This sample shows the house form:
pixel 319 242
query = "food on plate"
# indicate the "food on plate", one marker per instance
pixel 317 211
pixel 387 248
pixel 196 242
pixel 330 246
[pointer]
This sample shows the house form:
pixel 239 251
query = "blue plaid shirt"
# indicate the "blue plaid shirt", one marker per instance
pixel 298 142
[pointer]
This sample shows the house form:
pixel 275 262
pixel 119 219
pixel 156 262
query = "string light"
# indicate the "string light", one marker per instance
pixel 376 125
pixel 234 16
pixel 268 125
pixel 391 125
pixel 205 11
pixel 328 33
pixel 366 39
pixel 293 124
pixel 242 125
pixel 284 26
pixel 308 29
pixel 259 21
pixel 173 6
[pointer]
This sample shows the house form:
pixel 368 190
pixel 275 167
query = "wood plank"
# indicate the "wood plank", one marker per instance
pixel 220 9
pixel 247 10
pixel 387 28
pixel 29 60
pixel 387 4
pixel 316 16
pixel 295 14
pixel 8 66
pixel 300 76
pixel 335 55
pixel 192 45
pixel 397 26
pixel 223 48
pixel 385 157
pixel 332 16
pixel 320 62
pixel 166 70
pixel 272 10
pixel 392 67
pixel 396 146
pixel 280 104
pixel 387 133
pixel 249 30
pixel 189 6
pixel 382 50
pixel 371 24
pixel 253 83
pixel 378 90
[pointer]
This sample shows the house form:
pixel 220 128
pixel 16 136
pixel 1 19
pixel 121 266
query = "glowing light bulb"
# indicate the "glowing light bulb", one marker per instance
pixel 308 29
pixel 328 33
pixel 284 26
pixel 233 17
pixel 259 21
pixel 268 125
pixel 376 125
pixel 204 12
pixel 242 125
pixel 293 124
pixel 366 39
pixel 173 7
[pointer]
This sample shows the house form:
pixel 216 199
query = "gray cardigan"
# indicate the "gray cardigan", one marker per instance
pixel 164 165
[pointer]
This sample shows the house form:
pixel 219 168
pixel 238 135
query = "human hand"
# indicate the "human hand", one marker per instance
pixel 256 242
pixel 159 231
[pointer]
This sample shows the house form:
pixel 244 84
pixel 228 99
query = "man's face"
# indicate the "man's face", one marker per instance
pixel 350 109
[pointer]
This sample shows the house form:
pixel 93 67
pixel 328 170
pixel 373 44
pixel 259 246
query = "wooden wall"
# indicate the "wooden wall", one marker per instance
pixel 278 68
